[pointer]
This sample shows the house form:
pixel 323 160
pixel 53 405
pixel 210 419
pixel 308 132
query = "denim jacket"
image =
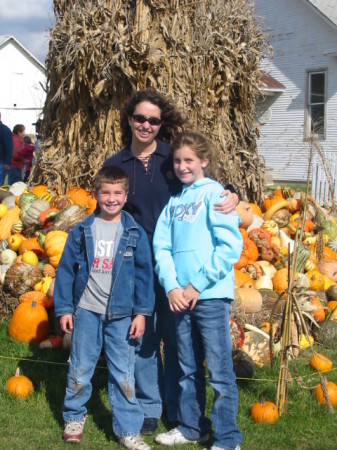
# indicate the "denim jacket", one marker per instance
pixel 132 276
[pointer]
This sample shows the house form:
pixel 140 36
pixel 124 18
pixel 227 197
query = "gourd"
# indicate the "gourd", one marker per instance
pixel 316 280
pixel 318 312
pixel 19 385
pixel 33 245
pixel 242 278
pixel 319 362
pixel 3 209
pixel 256 209
pixel 268 202
pixel 264 282
pixel 264 411
pixel 32 215
pixel 249 253
pixel 7 221
pixel 9 201
pixel 8 256
pixel 54 244
pixel 69 217
pixel 29 322
pixel 39 189
pixel 61 202
pixel 280 280
pixel 274 208
pixel 331 389
pixel 21 277
pixel 260 237
pixel 30 258
pixel 17 188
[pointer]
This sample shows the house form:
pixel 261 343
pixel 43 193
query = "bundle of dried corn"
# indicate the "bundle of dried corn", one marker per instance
pixel 204 54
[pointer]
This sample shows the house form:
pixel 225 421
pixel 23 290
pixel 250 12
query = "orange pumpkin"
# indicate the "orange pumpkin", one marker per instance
pixel 242 278
pixel 331 391
pixel 270 201
pixel 38 296
pixel 328 254
pixel 33 245
pixel 245 213
pixel 280 280
pixel 256 209
pixel 249 253
pixel 332 304
pixel 19 385
pixel 318 312
pixel 29 322
pixel 320 362
pixel 79 196
pixel 264 411
pixel 38 190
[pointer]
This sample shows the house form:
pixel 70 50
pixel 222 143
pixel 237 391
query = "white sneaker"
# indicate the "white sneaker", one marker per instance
pixel 73 430
pixel 134 443
pixel 174 437
pixel 215 447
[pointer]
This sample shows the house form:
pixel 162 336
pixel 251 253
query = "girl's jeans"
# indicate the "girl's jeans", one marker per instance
pixel 92 332
pixel 205 331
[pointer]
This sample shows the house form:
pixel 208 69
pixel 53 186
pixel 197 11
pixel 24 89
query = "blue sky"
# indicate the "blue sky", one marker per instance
pixel 29 22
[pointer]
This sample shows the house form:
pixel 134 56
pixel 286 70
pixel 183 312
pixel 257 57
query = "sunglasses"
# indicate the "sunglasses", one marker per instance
pixel 140 118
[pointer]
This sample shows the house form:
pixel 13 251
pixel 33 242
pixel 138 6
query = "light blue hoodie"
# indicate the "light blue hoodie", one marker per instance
pixel 195 244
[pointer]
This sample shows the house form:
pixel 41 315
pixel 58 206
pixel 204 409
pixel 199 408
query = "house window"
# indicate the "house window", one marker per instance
pixel 316 109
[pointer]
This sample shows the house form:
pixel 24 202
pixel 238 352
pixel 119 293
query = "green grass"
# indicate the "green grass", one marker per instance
pixel 36 422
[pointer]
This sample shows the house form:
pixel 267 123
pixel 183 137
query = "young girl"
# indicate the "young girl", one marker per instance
pixel 195 249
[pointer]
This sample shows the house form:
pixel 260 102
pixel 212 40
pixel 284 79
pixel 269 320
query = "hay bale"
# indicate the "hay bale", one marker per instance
pixel 204 54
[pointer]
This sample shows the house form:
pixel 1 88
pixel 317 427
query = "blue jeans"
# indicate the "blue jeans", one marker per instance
pixel 3 174
pixel 207 327
pixel 14 175
pixel 156 384
pixel 92 332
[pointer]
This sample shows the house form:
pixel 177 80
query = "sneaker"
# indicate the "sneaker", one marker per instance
pixel 149 426
pixel 174 437
pixel 73 430
pixel 134 443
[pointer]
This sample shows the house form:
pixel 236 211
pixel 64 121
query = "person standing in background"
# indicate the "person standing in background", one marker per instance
pixel 15 173
pixel 28 150
pixel 37 125
pixel 6 151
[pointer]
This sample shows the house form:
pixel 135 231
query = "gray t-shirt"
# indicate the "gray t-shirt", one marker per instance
pixel 106 236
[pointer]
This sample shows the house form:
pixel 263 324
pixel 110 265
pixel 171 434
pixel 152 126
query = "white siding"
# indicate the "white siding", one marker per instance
pixel 21 94
pixel 299 37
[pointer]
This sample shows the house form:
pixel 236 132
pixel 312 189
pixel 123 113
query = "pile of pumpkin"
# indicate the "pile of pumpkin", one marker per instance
pixel 268 232
pixel 34 225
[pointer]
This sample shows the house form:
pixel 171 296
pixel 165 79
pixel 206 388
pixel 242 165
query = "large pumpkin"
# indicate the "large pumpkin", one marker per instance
pixel 29 322
pixel 54 244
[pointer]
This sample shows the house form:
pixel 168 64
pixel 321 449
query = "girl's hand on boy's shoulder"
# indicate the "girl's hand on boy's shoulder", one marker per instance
pixel 229 203
pixel 177 300
pixel 66 323
pixel 191 295
pixel 137 327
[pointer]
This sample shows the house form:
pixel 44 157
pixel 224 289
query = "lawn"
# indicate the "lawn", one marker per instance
pixel 36 422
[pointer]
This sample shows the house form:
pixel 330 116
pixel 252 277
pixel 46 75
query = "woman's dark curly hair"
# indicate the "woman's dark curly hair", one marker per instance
pixel 172 120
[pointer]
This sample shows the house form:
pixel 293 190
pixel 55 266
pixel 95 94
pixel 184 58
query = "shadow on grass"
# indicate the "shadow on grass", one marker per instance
pixel 48 369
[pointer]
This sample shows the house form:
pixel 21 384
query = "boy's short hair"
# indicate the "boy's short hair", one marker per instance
pixel 111 175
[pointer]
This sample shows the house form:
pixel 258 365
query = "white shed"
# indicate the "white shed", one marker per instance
pixel 303 36
pixel 22 85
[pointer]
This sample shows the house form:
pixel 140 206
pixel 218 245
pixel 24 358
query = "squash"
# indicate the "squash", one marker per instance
pixel 9 201
pixel 249 253
pixel 242 278
pixel 318 312
pixel 274 208
pixel 17 188
pixel 280 280
pixel 316 280
pixel 38 296
pixel 256 209
pixel 21 277
pixel 54 244
pixel 69 217
pixel 3 209
pixel 32 215
pixel 7 256
pixel 260 237
pixel 268 202
pixel 19 385
pixel 29 322
pixel 33 245
pixel 264 411
pixel 250 300
pixel 79 196
pixel 30 258
pixel 38 190
pixel 7 221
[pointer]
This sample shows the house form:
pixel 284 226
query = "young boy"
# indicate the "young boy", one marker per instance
pixel 103 291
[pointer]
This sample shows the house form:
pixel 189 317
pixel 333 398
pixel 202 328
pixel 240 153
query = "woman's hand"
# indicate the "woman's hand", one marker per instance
pixel 229 203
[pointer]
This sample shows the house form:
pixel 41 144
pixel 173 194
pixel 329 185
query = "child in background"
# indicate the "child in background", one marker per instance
pixel 195 249
pixel 103 291
pixel 27 153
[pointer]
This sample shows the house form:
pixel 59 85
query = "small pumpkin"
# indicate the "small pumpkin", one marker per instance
pixel 242 278
pixel 318 312
pixel 256 209
pixel 320 362
pixel 268 202
pixel 61 202
pixel 33 245
pixel 331 389
pixel 38 190
pixel 19 385
pixel 249 253
pixel 79 196
pixel 48 271
pixel 29 322
pixel 264 411
pixel 280 280
pixel 54 244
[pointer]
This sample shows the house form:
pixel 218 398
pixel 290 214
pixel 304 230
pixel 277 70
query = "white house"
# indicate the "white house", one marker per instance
pixel 22 85
pixel 303 36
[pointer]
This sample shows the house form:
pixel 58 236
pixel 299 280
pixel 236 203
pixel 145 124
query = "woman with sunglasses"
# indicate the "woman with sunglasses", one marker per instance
pixel 149 122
